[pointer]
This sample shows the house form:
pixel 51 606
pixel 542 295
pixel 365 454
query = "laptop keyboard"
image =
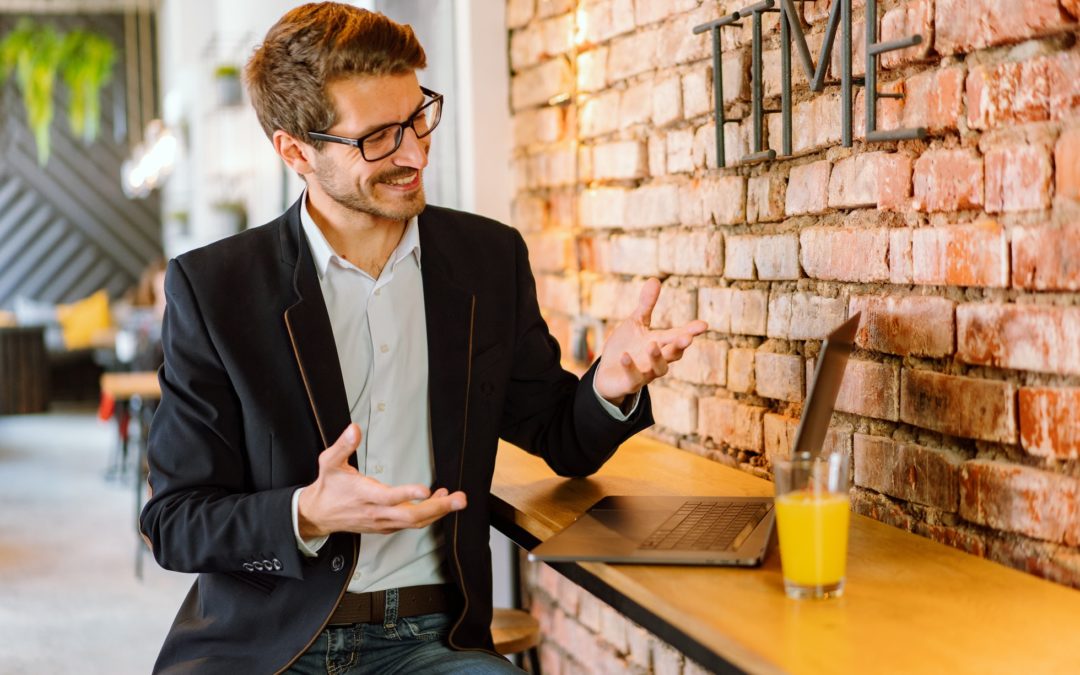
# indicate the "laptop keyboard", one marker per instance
pixel 707 526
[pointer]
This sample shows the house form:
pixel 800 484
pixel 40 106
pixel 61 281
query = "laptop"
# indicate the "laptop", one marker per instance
pixel 700 530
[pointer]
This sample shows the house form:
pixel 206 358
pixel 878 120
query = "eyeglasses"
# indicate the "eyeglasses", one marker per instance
pixel 385 141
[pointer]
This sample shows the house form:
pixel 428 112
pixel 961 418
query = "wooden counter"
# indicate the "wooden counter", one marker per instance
pixel 910 606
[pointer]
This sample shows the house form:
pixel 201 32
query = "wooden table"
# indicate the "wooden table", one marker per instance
pixel 125 388
pixel 910 606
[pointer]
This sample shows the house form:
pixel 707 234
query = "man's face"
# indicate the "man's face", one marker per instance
pixel 391 187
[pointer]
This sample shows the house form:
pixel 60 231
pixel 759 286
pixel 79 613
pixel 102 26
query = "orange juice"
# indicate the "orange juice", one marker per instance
pixel 813 532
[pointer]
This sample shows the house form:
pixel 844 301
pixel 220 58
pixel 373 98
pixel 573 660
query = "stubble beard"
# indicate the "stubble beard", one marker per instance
pixel 357 198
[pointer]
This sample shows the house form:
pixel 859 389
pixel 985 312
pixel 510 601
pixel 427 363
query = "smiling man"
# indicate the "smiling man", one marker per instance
pixel 336 382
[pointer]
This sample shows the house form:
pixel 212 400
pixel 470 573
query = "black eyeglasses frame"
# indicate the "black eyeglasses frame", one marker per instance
pixel 358 143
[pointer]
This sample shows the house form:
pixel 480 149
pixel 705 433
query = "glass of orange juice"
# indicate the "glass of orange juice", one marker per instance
pixel 812 516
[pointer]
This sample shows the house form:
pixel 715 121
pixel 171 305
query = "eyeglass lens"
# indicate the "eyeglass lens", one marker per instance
pixel 384 142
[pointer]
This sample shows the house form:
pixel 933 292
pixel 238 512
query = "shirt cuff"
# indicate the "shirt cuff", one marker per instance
pixel 309 547
pixel 607 405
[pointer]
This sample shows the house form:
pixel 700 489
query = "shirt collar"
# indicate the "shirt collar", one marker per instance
pixel 323 253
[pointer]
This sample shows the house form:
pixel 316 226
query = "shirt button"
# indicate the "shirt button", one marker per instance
pixel 378 468
pixel 378 291
pixel 384 348
pixel 381 407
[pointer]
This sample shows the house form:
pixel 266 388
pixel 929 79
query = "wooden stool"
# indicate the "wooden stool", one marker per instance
pixel 514 631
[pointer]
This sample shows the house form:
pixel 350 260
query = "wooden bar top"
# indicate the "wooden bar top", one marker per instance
pixel 123 386
pixel 910 606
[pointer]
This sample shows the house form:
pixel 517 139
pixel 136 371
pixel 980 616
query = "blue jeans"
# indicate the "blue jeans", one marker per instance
pixel 415 644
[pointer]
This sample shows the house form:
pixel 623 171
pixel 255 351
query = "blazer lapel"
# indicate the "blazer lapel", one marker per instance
pixel 313 338
pixel 450 313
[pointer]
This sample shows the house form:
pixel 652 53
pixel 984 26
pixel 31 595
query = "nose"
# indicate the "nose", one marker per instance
pixel 413 151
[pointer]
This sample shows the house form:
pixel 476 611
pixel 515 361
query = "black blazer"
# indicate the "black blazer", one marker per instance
pixel 252 392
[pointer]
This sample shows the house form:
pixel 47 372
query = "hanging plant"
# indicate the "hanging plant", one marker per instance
pixel 34 53
pixel 87 68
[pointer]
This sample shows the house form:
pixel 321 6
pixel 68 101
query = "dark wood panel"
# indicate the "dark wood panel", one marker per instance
pixel 67 229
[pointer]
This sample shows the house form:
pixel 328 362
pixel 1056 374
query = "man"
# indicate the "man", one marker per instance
pixel 336 382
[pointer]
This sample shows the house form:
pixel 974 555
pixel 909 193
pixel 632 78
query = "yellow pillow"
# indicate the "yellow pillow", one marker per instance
pixel 84 319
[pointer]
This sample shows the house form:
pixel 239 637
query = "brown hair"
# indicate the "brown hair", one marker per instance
pixel 313 45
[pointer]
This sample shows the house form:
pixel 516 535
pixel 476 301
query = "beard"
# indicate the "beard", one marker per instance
pixel 363 198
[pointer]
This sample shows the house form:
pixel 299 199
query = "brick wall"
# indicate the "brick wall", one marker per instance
pixel 962 251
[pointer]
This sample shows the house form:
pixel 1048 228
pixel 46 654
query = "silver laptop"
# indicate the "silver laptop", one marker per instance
pixel 700 530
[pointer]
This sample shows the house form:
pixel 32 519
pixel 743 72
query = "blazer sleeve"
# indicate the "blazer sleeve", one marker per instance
pixel 548 411
pixel 203 515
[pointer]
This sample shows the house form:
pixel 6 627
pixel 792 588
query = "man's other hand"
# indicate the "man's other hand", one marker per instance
pixel 634 355
pixel 343 500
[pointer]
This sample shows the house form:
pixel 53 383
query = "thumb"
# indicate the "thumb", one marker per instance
pixel 339 453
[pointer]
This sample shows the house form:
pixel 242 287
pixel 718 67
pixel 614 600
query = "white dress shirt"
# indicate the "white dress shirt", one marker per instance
pixel 381 336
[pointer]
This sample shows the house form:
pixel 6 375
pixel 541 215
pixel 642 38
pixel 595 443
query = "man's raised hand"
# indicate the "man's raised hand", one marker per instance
pixel 343 500
pixel 634 355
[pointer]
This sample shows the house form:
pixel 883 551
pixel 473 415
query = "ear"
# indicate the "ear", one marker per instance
pixel 294 152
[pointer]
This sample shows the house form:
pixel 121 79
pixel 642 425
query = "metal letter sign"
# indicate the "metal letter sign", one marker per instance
pixel 839 15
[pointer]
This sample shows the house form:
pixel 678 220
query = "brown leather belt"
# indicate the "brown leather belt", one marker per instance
pixel 412 601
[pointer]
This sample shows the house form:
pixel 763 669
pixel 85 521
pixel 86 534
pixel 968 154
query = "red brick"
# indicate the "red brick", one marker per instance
pixel 802 316
pixel 678 148
pixel 632 54
pixel 542 125
pixel 529 214
pixel 603 207
pixel 558 293
pixel 780 431
pixel 765 197
pixel 845 253
pixel 1008 93
pixel 633 255
pixel 519 12
pixel 714 308
pixel 913 325
pixel 808 189
pixel 538 85
pixel 739 262
pixel 704 362
pixel 1049 426
pixel 779 376
pixel 914 18
pixel 871 179
pixel 599 115
pixel 1018 178
pixel 546 8
pixel 948 180
pixel 691 212
pixel 881 508
pixel 635 104
pixel 675 307
pixel 961 255
pixel 727 421
pixel 1053 562
pixel 724 199
pixel 1021 499
pixel 667 101
pixel 675 409
pixel 870 389
pixel 551 252
pixel 967 540
pixel 959 406
pixel 1046 258
pixel 740 373
pixel 1025 337
pixel 1064 73
pixel 592 70
pixel 907 471
pixel 900 265
pixel 816 123
pixel 561 209
pixel 776 257
pixel 693 252
pixel 749 309
pixel 1067 164
pixel 611 299
pixel 966 25
pixel 934 99
pixel 652 206
pixel 674 47
pixel 619 161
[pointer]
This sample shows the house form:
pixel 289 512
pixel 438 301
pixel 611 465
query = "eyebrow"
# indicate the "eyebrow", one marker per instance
pixel 376 127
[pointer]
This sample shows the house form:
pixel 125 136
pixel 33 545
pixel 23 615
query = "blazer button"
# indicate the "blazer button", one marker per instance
pixel 337 563
pixel 258 565
pixel 277 564
pixel 249 567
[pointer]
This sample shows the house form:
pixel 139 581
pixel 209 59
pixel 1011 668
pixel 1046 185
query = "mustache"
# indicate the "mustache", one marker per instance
pixel 396 174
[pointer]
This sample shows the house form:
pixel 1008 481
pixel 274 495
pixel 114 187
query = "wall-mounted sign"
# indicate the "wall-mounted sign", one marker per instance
pixel 791 31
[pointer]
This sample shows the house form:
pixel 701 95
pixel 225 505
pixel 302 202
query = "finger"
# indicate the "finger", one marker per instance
pixel 672 352
pixel 650 292
pixel 338 454
pixel 375 492
pixel 657 365
pixel 632 371
pixel 688 331
pixel 421 514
